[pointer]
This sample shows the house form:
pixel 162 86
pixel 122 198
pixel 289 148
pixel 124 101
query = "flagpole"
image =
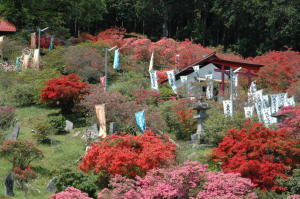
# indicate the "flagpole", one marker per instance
pixel 106 71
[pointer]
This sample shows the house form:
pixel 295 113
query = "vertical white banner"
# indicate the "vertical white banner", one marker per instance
pixel 153 77
pixel 36 58
pixel 151 62
pixel 209 86
pixel 249 111
pixel 183 79
pixel 265 99
pixel 172 81
pixel 266 113
pixel 290 101
pixel 197 70
pixel 281 99
pixel 251 92
pixel 258 98
pixel 228 107
pixel 274 103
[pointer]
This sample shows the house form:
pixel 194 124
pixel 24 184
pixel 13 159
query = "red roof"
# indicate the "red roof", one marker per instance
pixel 5 26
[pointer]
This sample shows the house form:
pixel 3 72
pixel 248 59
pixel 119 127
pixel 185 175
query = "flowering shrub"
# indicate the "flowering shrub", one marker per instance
pixel 24 177
pixel 70 193
pixel 85 61
pixel 20 152
pixel 230 185
pixel 174 182
pixel 280 71
pixel 7 115
pixel 66 90
pixel 118 108
pixel 128 155
pixel 144 96
pixel 292 121
pixel 181 182
pixel 258 153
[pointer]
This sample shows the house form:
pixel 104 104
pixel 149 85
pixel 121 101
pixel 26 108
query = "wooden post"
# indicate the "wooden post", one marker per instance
pixel 223 71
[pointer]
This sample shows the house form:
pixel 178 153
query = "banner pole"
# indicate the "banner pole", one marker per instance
pixel 106 69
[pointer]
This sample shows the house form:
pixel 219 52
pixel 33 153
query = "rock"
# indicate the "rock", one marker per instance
pixel 51 187
pixel 113 127
pixel 69 125
pixel 91 134
pixel 15 133
pixel 9 184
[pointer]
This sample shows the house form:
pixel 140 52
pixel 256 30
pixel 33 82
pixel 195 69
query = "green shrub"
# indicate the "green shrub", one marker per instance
pixel 58 123
pixel 74 178
pixel 20 152
pixel 24 88
pixel 178 117
pixel 129 82
pixel 292 184
pixel 43 131
pixel 7 116
pixel 217 124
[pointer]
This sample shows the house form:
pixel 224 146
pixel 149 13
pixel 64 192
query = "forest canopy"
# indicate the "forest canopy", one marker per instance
pixel 248 28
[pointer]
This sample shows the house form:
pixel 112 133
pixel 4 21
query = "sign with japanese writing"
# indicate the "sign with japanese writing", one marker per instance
pixel 153 78
pixel 140 121
pixel 171 79
pixel 249 111
pixel 228 107
pixel 100 112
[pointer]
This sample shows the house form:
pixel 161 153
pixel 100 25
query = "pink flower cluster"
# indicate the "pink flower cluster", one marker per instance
pixel 181 182
pixel 219 185
pixel 70 193
pixel 158 183
pixel 292 120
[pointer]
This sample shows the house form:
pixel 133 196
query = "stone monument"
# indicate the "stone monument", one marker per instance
pixel 201 115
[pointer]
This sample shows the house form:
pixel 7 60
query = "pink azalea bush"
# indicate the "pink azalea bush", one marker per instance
pixel 181 182
pixel 292 121
pixel 158 183
pixel 219 185
pixel 70 193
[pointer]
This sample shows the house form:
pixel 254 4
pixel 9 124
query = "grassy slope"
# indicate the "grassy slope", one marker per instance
pixel 61 155
pixel 65 152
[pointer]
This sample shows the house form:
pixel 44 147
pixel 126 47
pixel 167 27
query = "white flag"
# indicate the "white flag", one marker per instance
pixel 197 70
pixel 266 112
pixel 258 108
pixel 36 58
pixel 172 81
pixel 274 103
pixel 151 62
pixel 290 101
pixel 228 107
pixel 265 99
pixel 209 86
pixel 183 79
pixel 281 99
pixel 251 92
pixel 249 111
pixel 153 77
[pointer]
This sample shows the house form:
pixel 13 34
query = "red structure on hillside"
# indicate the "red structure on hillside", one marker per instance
pixel 5 26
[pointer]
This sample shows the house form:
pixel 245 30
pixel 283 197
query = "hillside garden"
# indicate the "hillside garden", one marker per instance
pixel 238 158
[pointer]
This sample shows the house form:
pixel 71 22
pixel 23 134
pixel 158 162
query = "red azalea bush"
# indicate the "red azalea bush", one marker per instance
pixel 66 91
pixel 173 182
pixel 128 155
pixel 292 120
pixel 185 115
pixel 144 96
pixel 280 71
pixel 258 153
pixel 70 193
pixel 24 176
